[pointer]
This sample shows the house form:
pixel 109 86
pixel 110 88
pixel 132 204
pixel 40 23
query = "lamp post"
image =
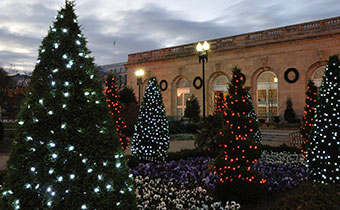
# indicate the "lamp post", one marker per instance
pixel 203 57
pixel 139 74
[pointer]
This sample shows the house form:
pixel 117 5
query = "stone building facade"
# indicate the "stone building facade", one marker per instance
pixel 277 64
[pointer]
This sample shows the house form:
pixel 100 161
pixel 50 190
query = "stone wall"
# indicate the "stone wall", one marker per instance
pixel 305 47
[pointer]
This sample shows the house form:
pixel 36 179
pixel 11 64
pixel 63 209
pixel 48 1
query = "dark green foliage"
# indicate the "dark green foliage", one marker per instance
pixel 177 127
pixel 239 147
pixel 5 84
pixel 307 195
pixel 129 111
pixel 323 153
pixel 2 132
pixel 192 110
pixel 289 114
pixel 151 138
pixel 240 191
pixel 309 114
pixel 2 176
pixel 66 153
pixel 207 140
pixel 127 96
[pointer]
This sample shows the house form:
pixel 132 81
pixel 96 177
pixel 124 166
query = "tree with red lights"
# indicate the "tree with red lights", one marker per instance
pixel 309 112
pixel 112 97
pixel 220 103
pixel 239 147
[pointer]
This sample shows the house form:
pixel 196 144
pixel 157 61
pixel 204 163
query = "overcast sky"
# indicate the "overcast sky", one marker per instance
pixel 142 25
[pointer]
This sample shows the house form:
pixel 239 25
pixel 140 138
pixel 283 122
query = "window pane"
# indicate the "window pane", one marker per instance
pixel 179 99
pixel 261 96
pixel 272 95
pixel 261 112
pixel 273 111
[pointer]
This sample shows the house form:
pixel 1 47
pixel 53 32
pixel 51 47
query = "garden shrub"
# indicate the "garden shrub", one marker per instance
pixel 207 140
pixel 175 126
pixel 241 191
pixel 289 114
pixel 307 196
pixel 183 136
pixel 2 176
pixel 2 132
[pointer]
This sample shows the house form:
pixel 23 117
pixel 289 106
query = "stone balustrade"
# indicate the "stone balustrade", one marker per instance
pixel 312 29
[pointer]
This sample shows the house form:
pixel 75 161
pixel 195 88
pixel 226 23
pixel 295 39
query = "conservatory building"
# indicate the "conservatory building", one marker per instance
pixel 276 63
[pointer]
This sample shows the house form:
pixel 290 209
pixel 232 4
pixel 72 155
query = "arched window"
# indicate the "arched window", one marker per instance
pixel 317 76
pixel 183 92
pixel 267 96
pixel 220 85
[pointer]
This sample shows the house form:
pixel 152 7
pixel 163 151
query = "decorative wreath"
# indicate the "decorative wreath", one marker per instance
pixel 296 75
pixel 199 81
pixel 163 85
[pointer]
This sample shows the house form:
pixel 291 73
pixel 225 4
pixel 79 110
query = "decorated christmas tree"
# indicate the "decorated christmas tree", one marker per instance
pixel 66 154
pixel 257 134
pixel 323 153
pixel 239 147
pixel 309 114
pixel 112 99
pixel 151 138
pixel 220 104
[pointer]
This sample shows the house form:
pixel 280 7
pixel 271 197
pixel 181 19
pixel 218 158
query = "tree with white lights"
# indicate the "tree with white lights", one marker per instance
pixel 151 138
pixel 323 153
pixel 66 154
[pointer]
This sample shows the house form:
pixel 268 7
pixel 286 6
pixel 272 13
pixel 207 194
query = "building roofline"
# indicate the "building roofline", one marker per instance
pixel 286 33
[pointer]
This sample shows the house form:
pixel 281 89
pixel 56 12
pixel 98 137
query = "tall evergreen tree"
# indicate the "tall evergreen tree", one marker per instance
pixel 66 154
pixel 323 153
pixel 289 114
pixel 192 110
pixel 151 139
pixel 112 99
pixel 309 114
pixel 129 111
pixel 239 147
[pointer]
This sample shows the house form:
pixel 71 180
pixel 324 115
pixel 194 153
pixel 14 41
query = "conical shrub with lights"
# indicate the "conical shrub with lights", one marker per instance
pixel 151 138
pixel 309 114
pixel 239 147
pixel 66 154
pixel 112 99
pixel 323 153
pixel 220 104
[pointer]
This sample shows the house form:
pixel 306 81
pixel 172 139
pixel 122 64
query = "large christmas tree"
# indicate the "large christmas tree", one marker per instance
pixel 151 138
pixel 309 114
pixel 66 154
pixel 112 99
pixel 238 140
pixel 323 153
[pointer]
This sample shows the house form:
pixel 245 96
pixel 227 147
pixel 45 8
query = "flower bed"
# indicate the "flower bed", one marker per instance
pixel 191 172
pixel 188 184
pixel 154 194
pixel 281 169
